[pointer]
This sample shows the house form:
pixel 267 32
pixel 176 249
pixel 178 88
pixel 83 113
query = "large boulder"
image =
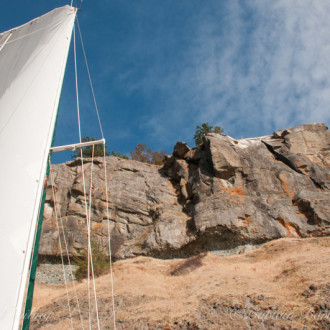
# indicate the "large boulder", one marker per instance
pixel 219 195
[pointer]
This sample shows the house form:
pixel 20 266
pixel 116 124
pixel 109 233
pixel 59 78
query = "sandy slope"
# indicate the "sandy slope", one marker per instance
pixel 265 288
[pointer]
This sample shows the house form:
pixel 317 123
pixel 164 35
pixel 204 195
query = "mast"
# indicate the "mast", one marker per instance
pixel 32 64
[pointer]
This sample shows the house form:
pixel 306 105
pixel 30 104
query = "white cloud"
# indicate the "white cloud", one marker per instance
pixel 263 66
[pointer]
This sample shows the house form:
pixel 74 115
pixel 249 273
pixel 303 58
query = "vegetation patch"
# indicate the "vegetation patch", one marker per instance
pixel 99 258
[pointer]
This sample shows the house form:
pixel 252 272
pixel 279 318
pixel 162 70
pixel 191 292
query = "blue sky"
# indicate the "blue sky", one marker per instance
pixel 160 68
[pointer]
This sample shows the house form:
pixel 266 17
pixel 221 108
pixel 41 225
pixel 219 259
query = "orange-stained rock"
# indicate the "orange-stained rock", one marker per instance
pixel 219 195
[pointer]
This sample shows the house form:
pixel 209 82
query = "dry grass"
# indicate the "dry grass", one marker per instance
pixel 207 292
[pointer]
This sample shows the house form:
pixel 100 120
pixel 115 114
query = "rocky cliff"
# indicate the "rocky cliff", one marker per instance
pixel 222 194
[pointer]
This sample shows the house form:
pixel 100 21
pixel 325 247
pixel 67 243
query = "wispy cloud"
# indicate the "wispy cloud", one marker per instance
pixel 251 67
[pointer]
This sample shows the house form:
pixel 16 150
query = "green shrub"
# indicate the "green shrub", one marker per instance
pixel 87 152
pixel 100 262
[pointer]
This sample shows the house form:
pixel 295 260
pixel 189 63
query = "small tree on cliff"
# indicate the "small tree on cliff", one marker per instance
pixel 87 152
pixel 118 154
pixel 158 157
pixel 204 129
pixel 141 153
pixel 145 155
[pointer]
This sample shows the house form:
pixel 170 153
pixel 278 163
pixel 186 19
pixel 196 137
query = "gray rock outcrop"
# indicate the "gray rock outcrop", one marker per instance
pixel 219 195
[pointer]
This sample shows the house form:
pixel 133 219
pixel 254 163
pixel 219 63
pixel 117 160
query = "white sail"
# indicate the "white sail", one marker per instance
pixel 32 64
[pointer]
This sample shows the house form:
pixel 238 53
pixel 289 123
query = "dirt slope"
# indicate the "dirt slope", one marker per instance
pixel 284 283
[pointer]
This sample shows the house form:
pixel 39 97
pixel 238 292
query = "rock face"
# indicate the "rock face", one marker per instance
pixel 219 195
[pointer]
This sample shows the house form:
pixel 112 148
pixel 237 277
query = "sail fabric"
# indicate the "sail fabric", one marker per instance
pixel 32 64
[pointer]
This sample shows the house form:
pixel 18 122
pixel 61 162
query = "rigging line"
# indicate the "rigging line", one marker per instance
pixel 109 239
pixel 82 170
pixel 88 220
pixel 60 245
pixel 66 249
pixel 6 40
pixel 90 79
pixel 89 240
pixel 87 223
pixel 89 270
pixel 76 80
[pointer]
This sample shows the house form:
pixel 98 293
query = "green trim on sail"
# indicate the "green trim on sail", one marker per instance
pixel 34 264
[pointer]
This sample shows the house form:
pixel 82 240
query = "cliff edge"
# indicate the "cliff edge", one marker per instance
pixel 220 195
